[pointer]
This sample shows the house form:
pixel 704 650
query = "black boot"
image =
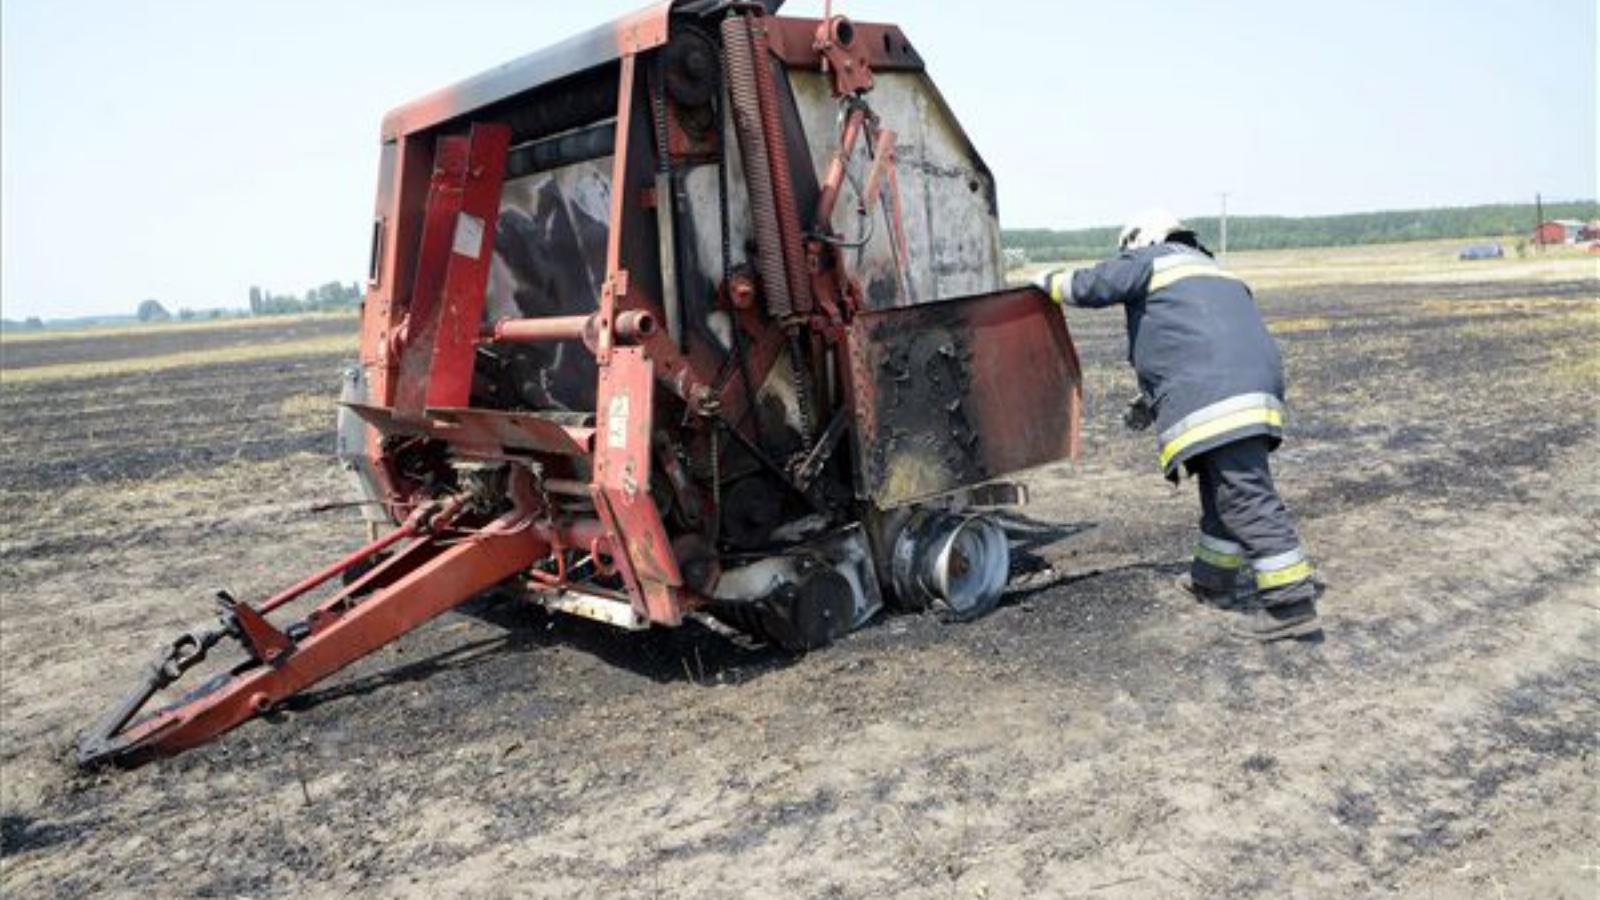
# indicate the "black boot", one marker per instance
pixel 1280 621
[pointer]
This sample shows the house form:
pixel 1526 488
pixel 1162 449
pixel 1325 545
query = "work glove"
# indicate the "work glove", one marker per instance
pixel 1056 283
pixel 1140 414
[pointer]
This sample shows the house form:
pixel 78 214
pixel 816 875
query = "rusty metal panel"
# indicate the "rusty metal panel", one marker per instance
pixel 956 392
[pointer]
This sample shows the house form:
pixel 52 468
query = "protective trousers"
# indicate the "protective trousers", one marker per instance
pixel 1243 523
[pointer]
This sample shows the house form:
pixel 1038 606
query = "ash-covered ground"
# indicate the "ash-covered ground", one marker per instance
pixel 1098 735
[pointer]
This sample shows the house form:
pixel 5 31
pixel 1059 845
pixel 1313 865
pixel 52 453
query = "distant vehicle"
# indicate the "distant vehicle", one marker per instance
pixel 1483 251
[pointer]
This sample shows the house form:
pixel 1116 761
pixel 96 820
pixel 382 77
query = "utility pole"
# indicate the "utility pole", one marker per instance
pixel 1224 224
pixel 1538 225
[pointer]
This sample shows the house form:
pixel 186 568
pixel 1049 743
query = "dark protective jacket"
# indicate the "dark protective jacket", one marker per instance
pixel 1195 338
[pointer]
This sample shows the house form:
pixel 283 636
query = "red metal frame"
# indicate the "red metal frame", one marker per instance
pixel 622 467
pixel 439 337
pixel 467 565
pixel 876 47
pixel 420 346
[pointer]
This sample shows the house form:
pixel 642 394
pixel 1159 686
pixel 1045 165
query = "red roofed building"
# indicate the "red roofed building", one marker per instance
pixel 1558 231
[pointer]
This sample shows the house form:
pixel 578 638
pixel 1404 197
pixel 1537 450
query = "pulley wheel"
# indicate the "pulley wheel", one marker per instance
pixel 957 564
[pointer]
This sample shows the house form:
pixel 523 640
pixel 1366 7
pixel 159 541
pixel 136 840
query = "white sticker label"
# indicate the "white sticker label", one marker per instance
pixel 617 422
pixel 468 241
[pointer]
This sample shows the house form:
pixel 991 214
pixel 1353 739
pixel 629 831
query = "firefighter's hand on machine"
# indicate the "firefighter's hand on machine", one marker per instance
pixel 1140 414
pixel 1056 283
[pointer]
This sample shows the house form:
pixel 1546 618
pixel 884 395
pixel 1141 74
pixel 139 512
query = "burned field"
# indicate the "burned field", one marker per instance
pixel 1096 735
pixel 67 348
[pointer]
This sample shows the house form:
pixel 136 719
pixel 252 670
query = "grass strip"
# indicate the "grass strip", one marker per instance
pixel 318 346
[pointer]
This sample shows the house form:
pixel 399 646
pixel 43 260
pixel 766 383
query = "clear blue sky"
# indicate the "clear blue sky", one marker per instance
pixel 186 150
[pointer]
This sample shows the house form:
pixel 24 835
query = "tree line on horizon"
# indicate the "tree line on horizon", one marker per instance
pixel 329 297
pixel 1285 232
pixel 333 295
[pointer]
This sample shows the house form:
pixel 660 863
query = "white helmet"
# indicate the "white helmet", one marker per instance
pixel 1150 227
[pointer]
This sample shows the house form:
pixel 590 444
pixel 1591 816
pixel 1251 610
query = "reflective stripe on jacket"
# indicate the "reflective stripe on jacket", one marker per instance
pixel 1223 422
pixel 1197 342
pixel 1166 270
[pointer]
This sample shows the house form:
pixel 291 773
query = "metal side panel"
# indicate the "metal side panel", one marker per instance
pixel 957 392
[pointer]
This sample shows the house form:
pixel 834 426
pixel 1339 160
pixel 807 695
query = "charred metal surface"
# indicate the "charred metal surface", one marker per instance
pixel 583 145
pixel 550 260
pixel 957 392
pixel 926 438
pixel 810 612
pixel 560 106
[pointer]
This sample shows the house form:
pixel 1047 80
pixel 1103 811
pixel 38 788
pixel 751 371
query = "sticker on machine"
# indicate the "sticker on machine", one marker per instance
pixel 468 240
pixel 617 422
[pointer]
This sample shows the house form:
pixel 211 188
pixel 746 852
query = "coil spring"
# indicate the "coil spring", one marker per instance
pixel 740 68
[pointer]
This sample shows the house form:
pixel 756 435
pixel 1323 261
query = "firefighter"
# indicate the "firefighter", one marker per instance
pixel 1211 381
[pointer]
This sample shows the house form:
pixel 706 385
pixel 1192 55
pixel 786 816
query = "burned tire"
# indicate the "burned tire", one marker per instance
pixel 797 617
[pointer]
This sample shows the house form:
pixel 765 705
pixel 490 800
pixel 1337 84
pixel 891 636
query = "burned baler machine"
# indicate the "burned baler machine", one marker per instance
pixel 699 311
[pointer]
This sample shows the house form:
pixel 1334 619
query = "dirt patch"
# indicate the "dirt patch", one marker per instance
pixel 1097 735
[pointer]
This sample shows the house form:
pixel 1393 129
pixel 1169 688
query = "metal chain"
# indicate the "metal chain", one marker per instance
pixel 716 482
pixel 658 112
pixel 802 386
